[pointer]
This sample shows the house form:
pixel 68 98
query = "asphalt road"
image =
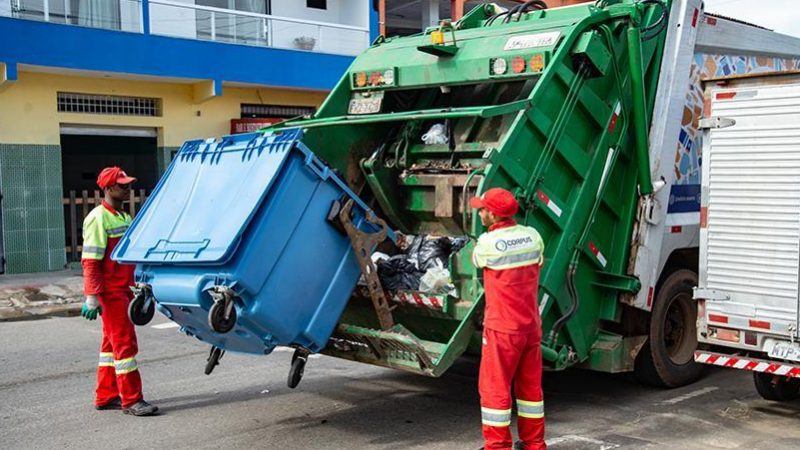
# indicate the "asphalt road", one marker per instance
pixel 47 371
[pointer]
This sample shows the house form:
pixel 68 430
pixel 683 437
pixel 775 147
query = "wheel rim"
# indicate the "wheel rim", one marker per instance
pixel 679 337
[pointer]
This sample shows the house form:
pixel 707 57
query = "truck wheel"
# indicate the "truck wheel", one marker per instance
pixel 667 358
pixel 776 388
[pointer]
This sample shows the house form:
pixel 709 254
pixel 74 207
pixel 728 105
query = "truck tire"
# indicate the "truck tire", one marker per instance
pixel 776 388
pixel 667 358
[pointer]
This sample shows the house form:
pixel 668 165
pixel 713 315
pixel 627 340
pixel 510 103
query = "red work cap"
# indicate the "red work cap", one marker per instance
pixel 498 201
pixel 113 175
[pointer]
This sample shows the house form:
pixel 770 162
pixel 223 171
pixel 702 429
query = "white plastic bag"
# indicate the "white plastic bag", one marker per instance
pixel 436 281
pixel 436 135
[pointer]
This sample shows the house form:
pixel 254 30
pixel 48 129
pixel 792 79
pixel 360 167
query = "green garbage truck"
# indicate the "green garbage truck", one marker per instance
pixel 587 114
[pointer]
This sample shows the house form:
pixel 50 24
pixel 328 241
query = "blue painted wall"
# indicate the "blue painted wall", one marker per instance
pixel 73 47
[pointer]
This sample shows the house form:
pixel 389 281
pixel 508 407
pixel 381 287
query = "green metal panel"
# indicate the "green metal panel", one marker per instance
pixel 567 134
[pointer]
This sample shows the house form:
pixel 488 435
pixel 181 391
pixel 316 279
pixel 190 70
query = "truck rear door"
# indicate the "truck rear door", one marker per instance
pixel 750 216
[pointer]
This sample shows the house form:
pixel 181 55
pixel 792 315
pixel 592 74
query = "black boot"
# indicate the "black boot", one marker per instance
pixel 113 404
pixel 518 445
pixel 141 408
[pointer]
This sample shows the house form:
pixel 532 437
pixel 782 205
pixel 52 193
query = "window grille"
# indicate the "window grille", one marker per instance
pixel 108 104
pixel 283 112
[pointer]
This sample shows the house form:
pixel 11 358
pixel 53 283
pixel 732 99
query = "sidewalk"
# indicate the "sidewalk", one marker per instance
pixel 38 295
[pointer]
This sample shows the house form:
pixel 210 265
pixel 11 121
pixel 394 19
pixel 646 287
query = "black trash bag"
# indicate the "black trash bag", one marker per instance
pixel 429 252
pixel 398 273
pixel 404 271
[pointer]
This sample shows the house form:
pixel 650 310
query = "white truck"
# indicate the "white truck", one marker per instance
pixel 749 277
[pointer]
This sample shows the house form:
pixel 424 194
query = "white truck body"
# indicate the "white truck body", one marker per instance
pixel 749 280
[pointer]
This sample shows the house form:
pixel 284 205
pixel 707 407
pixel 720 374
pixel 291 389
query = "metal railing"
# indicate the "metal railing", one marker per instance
pixel 185 20
pixel 118 15
pixel 170 18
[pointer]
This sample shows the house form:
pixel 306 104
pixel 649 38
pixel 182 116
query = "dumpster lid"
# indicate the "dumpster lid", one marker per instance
pixel 206 199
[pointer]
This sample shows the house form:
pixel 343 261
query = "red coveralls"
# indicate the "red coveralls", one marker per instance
pixel 511 256
pixel 117 373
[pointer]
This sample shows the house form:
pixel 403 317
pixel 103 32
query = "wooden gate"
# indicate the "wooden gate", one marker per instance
pixel 77 207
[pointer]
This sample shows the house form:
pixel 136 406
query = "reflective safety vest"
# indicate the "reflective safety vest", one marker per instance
pixel 510 256
pixel 102 230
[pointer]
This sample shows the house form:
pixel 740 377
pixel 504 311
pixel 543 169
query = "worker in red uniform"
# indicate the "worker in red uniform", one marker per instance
pixel 107 285
pixel 510 256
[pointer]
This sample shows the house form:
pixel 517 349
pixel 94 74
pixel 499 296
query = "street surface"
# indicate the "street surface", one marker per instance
pixel 47 371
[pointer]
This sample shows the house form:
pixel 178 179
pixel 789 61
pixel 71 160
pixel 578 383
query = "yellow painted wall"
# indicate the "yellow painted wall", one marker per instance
pixel 29 115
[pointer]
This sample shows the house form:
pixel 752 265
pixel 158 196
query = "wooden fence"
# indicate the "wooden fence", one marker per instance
pixel 77 207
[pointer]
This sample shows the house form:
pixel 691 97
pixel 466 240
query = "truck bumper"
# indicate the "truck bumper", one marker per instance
pixel 752 364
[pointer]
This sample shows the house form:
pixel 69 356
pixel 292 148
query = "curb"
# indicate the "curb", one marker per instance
pixel 42 312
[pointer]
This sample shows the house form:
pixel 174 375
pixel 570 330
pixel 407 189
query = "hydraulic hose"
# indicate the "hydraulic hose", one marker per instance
pixel 661 23
pixel 520 9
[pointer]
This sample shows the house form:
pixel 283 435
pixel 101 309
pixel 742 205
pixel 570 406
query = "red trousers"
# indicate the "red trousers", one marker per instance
pixel 507 358
pixel 117 373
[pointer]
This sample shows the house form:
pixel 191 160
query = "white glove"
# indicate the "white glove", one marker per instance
pixel 92 302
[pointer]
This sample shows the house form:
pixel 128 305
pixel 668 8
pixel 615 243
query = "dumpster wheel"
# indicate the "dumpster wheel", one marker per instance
pixel 142 308
pixel 299 360
pixel 213 359
pixel 217 319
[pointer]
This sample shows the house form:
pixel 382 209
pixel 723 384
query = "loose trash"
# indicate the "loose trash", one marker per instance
pixel 422 266
pixel 435 135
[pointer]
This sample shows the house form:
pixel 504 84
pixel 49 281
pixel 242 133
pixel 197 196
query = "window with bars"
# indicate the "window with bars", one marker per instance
pixel 108 104
pixel 276 111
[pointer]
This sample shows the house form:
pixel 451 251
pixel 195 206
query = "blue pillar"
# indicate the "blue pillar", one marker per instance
pixel 146 16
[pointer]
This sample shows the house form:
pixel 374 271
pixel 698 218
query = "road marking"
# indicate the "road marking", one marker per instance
pixel 690 395
pixel 164 326
pixel 601 445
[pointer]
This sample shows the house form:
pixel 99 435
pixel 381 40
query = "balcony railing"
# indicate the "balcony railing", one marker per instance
pixel 185 20
pixel 119 15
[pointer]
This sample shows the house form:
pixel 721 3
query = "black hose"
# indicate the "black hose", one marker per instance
pixel 661 23
pixel 539 4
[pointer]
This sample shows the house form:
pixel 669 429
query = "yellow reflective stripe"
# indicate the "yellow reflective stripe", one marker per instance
pixel 106 359
pixel 530 410
pixel 496 411
pixel 496 424
pixel 125 365
pixel 496 417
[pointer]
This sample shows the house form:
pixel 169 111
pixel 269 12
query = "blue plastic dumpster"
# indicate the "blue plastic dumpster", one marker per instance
pixel 246 218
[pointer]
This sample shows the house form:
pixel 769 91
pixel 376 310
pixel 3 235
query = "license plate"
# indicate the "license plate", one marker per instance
pixel 364 106
pixel 785 350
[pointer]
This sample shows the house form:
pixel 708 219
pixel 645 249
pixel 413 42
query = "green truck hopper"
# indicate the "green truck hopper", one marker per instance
pixel 554 105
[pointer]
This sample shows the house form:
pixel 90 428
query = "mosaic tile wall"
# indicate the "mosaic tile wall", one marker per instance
pixel 33 215
pixel 688 156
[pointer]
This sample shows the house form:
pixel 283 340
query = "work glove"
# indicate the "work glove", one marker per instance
pixel 91 309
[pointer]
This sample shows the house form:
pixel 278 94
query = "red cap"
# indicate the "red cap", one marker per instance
pixel 113 175
pixel 498 201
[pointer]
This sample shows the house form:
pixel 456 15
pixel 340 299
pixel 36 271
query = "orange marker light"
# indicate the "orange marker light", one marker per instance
pixel 518 64
pixel 437 37
pixel 361 79
pixel 537 63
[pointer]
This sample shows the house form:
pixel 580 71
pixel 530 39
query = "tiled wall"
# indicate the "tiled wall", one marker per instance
pixel 33 215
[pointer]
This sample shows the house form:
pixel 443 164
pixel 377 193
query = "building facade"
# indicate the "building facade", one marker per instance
pixel 89 83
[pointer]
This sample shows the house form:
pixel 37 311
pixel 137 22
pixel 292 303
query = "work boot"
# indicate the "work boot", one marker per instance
pixel 518 445
pixel 115 403
pixel 141 408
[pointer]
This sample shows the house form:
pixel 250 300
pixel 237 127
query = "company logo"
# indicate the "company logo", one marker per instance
pixel 505 244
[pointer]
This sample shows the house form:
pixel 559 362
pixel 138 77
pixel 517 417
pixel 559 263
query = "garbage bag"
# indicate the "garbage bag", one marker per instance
pixel 436 281
pixel 422 255
pixel 398 273
pixel 435 135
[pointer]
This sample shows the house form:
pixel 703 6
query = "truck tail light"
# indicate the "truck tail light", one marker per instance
pixel 361 79
pixel 537 63
pixel 723 334
pixel 518 64
pixel 499 66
